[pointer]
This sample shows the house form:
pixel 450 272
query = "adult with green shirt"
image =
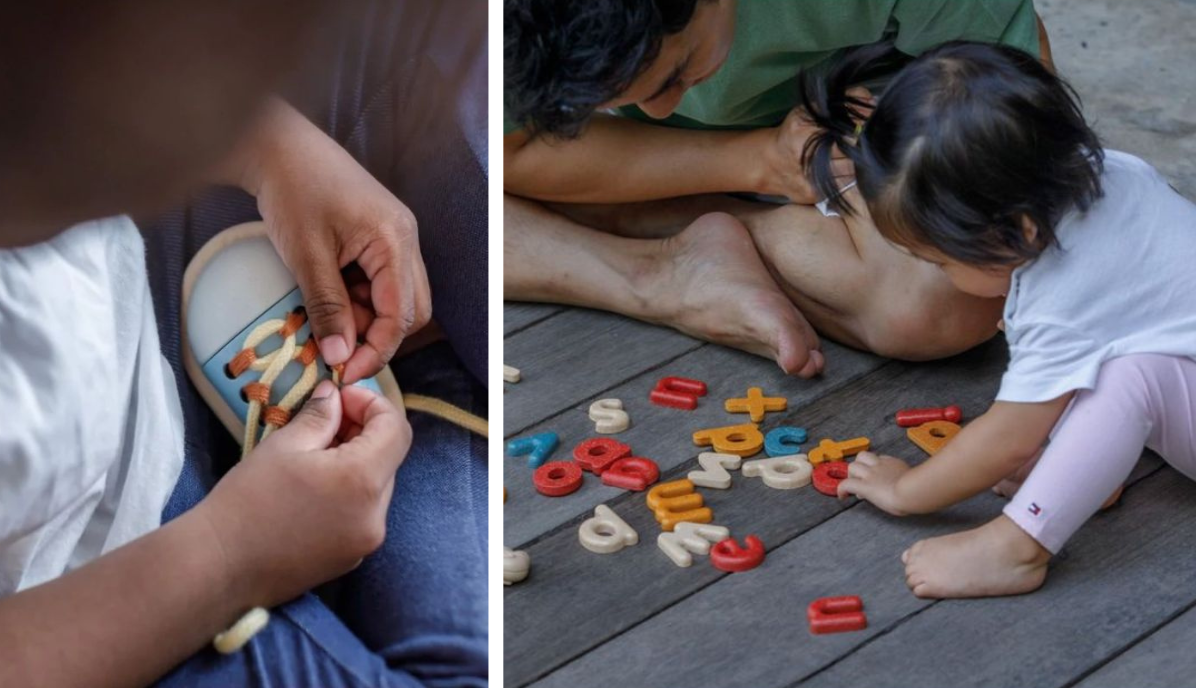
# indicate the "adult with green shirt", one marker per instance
pixel 628 123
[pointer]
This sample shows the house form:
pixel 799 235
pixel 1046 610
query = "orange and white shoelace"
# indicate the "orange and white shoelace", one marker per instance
pixel 272 417
pixel 271 365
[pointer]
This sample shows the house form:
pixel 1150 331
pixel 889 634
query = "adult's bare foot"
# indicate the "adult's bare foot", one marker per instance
pixel 998 558
pixel 709 282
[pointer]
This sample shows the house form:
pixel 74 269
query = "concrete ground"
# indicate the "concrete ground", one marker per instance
pixel 1134 64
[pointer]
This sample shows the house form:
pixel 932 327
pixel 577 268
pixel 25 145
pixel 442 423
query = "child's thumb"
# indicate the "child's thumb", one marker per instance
pixel 315 426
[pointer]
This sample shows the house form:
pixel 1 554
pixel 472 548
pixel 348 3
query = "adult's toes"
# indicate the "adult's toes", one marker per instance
pixel 815 365
pixel 810 369
pixel 792 355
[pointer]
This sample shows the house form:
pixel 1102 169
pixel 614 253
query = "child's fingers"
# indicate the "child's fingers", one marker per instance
pixel 858 471
pixel 395 297
pixel 357 282
pixel 347 432
pixel 865 459
pixel 363 316
pixel 384 436
pixel 326 298
pixel 314 427
pixel 847 488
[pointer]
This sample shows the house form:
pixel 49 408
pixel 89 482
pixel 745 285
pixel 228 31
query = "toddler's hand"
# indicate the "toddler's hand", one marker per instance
pixel 353 246
pixel 873 478
pixel 310 501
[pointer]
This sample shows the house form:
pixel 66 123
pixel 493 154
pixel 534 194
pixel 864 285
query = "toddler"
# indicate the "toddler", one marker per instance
pixel 977 159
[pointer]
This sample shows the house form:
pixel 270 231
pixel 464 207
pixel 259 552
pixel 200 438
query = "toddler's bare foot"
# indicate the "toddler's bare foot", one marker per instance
pixel 998 558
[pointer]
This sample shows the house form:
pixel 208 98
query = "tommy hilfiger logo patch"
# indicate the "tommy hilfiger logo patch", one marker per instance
pixel 1034 509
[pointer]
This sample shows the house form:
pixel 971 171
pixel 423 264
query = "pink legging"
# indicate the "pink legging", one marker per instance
pixel 1141 400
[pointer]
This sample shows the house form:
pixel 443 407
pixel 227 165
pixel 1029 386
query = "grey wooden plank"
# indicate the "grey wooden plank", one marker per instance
pixel 575 600
pixel 1164 659
pixel 1118 581
pixel 576 354
pixel 518 315
pixel 750 629
pixel 660 433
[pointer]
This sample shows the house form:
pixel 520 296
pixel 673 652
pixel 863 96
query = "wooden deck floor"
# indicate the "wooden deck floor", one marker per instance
pixel 1116 607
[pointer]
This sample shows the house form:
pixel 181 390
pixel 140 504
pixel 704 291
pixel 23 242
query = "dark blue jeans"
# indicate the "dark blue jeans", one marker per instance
pixel 415 612
pixel 406 96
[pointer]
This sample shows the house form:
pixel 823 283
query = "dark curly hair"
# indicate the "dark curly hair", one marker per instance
pixel 966 141
pixel 564 58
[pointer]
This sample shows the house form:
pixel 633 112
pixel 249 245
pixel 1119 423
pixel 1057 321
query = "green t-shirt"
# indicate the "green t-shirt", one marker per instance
pixel 776 39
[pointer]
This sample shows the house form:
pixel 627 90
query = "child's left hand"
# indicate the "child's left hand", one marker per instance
pixel 873 478
pixel 353 246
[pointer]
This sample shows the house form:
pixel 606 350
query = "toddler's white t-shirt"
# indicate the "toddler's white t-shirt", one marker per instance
pixel 1122 281
pixel 91 430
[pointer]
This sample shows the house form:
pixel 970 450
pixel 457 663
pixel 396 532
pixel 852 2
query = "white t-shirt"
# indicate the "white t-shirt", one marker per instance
pixel 91 431
pixel 1124 282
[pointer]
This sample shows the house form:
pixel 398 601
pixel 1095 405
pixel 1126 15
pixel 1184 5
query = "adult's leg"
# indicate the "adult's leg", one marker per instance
pixel 707 280
pixel 845 279
pixel 1148 399
pixel 858 289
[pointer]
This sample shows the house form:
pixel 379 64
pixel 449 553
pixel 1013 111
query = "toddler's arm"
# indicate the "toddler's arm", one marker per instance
pixel 988 449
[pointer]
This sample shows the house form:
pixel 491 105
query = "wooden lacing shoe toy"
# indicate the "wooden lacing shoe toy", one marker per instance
pixel 271 366
pixel 238 299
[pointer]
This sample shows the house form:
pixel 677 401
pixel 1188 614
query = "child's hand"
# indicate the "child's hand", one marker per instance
pixel 873 478
pixel 305 507
pixel 353 246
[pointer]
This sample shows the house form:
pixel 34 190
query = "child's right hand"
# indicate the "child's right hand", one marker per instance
pixel 873 478
pixel 311 500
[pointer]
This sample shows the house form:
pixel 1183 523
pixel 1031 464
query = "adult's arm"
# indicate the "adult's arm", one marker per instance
pixel 620 160
pixel 1044 45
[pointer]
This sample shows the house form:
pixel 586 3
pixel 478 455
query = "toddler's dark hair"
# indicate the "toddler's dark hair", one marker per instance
pixel 966 141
